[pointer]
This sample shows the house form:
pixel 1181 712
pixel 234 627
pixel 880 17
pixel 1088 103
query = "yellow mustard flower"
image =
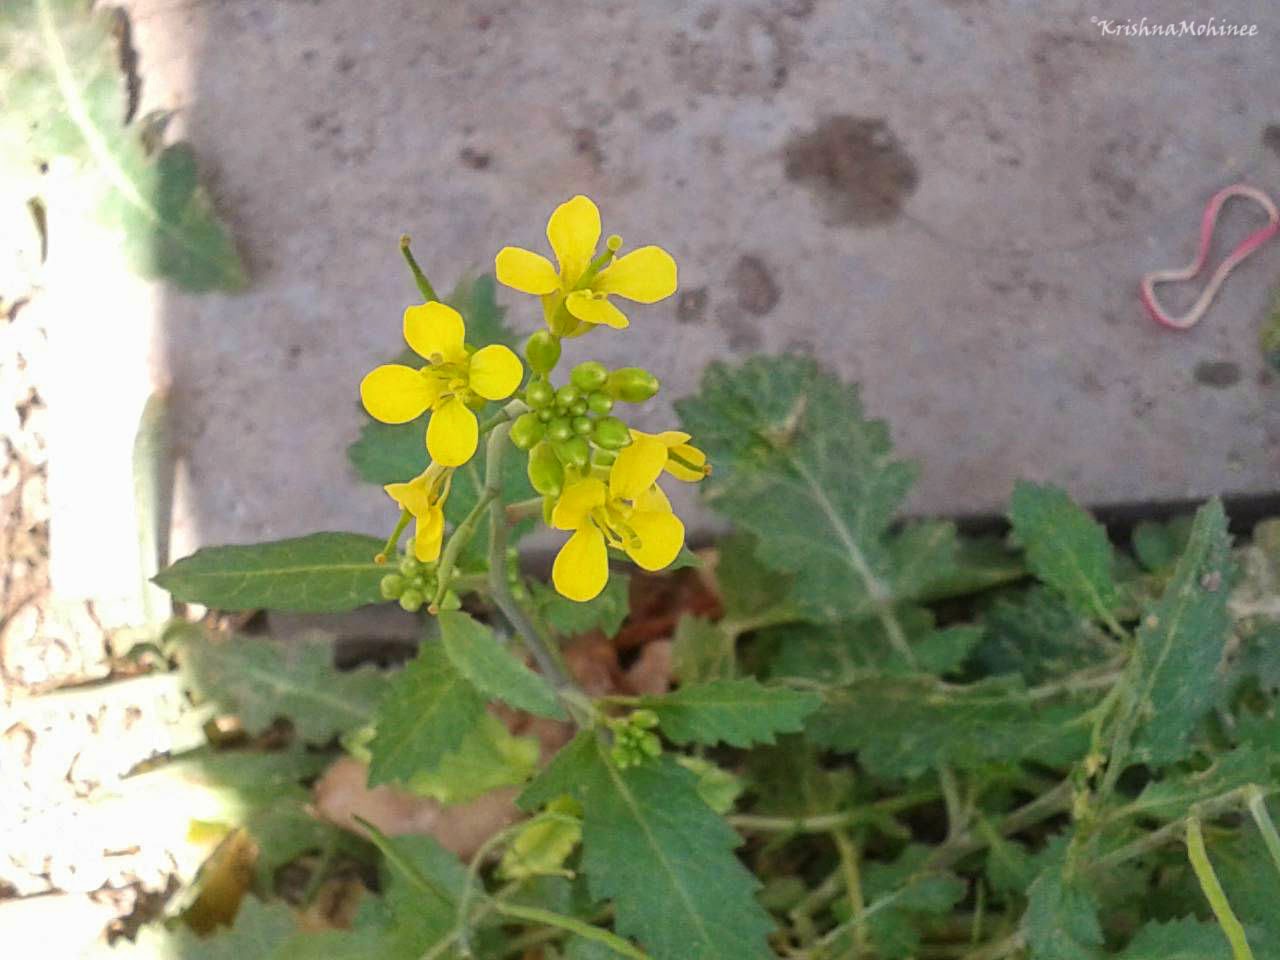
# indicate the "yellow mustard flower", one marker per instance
pixel 684 461
pixel 450 385
pixel 576 297
pixel 631 513
pixel 424 498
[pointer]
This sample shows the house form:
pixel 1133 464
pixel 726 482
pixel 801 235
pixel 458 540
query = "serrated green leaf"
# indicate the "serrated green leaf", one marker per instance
pixel 980 563
pixel 1066 548
pixel 1061 922
pixel 1036 634
pixel 493 669
pixel 1174 795
pixel 428 710
pixel 260 680
pixel 945 651
pixel 902 902
pixel 569 618
pixel 701 650
pixel 657 850
pixel 1158 545
pixel 66 96
pixel 488 757
pixel 737 712
pixel 1180 642
pixel 749 590
pixel 902 726
pixel 800 467
pixel 1185 939
pixel 319 573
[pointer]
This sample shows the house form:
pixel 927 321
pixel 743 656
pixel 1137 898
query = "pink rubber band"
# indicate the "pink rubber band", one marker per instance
pixel 1207 226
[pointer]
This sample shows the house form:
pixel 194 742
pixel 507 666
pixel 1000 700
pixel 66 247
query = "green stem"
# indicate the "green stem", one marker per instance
pixel 420 278
pixel 825 823
pixel 572 925
pixel 393 541
pixel 1258 810
pixel 1214 893
pixel 460 537
pixel 537 643
pixel 853 885
pixel 524 509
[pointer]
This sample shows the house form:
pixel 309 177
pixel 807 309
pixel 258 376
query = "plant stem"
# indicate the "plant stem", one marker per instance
pixel 537 643
pixel 524 509
pixel 420 278
pixel 1214 893
pixel 1049 804
pixel 1258 810
pixel 825 823
pixel 460 537
pixel 853 885
pixel 572 925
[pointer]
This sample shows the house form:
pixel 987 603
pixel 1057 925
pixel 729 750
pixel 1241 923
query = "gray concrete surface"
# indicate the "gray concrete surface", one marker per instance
pixel 950 201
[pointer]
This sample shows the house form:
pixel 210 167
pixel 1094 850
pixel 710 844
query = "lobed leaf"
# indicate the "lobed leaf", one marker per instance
pixel 737 712
pixel 492 669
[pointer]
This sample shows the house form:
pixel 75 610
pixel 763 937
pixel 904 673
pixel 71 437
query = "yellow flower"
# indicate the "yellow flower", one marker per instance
pixel 684 461
pixel 576 297
pixel 631 513
pixel 424 498
pixel 450 385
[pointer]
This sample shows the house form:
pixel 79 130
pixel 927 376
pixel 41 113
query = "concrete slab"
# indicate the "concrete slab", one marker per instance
pixel 951 202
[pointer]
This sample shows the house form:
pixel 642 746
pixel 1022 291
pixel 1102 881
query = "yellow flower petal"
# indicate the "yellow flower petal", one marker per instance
pixel 574 231
pixel 525 271
pixel 576 501
pixel 495 372
pixel 428 536
pixel 582 566
pixel 645 275
pixel 694 463
pixel 594 309
pixel 653 500
pixel 671 438
pixel 412 496
pixel 435 332
pixel 637 467
pixel 660 535
pixel 452 433
pixel 394 393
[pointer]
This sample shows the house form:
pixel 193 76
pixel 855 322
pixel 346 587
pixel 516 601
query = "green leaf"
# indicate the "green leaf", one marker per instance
pixel 718 787
pixel 261 680
pixel 544 843
pixel 1037 634
pixel 749 590
pixel 737 712
pixel 902 902
pixel 478 656
pixel 476 299
pixel 701 650
pixel 1173 796
pixel 1185 939
pixel 945 651
pixel 1061 922
pixel 260 931
pixel 569 618
pixel 657 850
pixel 319 573
pixel 66 96
pixel 800 467
pixel 902 726
pixel 1066 548
pixel 426 714
pixel 488 757
pixel 1180 642
pixel 1158 545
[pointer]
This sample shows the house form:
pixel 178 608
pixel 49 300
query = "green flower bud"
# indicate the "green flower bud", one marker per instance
pixel 603 458
pixel 543 351
pixel 548 508
pixel 527 430
pixel 611 433
pixel 391 586
pixel 547 414
pixel 599 403
pixel 566 395
pixel 589 376
pixel 546 472
pixel 559 429
pixel 539 394
pixel 578 407
pixel 650 745
pixel 632 385
pixel 581 425
pixel 409 565
pixel 645 719
pixel 412 600
pixel 574 452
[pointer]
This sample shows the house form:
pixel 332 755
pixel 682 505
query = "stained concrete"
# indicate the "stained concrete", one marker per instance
pixel 949 201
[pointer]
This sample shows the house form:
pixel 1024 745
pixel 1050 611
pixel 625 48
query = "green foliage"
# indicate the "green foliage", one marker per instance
pixel 799 466
pixel 737 712
pixel 260 680
pixel 319 573
pixel 1065 548
pixel 66 98
pixel 653 846
pixel 1061 922
pixel 1185 939
pixel 477 656
pixel 1180 641
pixel 428 710
pixel 570 619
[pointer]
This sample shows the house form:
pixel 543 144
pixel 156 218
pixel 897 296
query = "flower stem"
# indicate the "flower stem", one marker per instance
pixel 1258 810
pixel 1214 893
pixel 460 537
pixel 420 278
pixel 393 541
pixel 535 640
